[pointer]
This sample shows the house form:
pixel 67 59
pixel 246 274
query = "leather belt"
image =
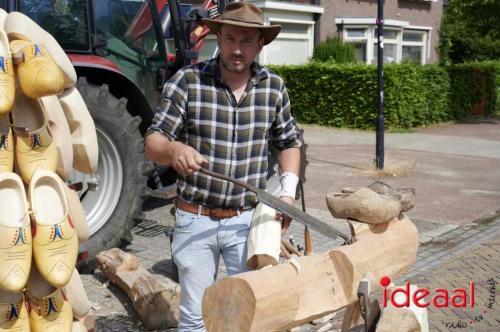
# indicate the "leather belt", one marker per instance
pixel 217 213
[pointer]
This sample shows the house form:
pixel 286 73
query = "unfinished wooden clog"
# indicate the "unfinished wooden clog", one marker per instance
pixel 83 133
pixel 15 234
pixel 364 205
pixel 55 242
pixel 77 296
pixel 20 26
pixel 264 239
pixel 7 82
pixel 59 129
pixel 77 214
pixel 3 16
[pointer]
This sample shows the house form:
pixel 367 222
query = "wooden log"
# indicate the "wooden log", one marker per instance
pixel 285 296
pixel 156 301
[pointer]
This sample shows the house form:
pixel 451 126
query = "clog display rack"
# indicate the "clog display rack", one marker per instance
pixel 46 131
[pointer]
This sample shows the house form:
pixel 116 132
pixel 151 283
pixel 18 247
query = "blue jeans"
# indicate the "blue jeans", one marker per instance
pixel 196 247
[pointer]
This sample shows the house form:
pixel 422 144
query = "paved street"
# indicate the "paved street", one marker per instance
pixel 455 172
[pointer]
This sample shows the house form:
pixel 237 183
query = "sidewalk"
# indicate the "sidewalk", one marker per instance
pixel 457 180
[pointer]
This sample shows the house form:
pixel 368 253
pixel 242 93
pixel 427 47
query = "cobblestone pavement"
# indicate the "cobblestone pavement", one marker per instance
pixel 449 256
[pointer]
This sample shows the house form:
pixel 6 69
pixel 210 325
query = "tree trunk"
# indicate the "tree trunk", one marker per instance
pixel 156 301
pixel 289 295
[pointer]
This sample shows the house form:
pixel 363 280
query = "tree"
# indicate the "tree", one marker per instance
pixel 470 31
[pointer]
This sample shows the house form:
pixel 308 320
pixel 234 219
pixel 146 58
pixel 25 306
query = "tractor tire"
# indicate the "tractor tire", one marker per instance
pixel 121 175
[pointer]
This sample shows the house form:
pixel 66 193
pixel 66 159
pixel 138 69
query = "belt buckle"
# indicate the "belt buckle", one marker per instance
pixel 216 213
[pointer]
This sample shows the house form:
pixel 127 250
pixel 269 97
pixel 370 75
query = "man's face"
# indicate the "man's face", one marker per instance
pixel 238 47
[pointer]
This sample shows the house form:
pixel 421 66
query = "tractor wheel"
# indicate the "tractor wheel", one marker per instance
pixel 113 197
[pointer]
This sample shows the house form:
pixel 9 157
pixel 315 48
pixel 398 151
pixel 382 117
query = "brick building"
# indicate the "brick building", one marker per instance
pixel 410 29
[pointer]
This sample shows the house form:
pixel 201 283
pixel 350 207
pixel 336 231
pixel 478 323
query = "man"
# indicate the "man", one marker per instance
pixel 221 114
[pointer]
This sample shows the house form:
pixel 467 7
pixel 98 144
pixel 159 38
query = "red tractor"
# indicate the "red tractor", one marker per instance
pixel 123 52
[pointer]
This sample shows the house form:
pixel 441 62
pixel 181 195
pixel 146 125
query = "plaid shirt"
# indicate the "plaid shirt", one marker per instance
pixel 199 110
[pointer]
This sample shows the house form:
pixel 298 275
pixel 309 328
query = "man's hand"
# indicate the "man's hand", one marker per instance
pixel 186 160
pixel 285 220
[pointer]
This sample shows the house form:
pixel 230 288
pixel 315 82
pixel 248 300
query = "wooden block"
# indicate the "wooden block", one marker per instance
pixel 264 238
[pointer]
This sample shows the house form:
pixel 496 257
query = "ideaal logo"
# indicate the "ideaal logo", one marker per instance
pixel 440 297
pixel 459 297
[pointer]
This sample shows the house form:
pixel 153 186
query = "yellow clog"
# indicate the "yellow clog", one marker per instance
pixel 14 315
pixel 7 83
pixel 51 313
pixel 55 242
pixel 35 146
pixel 15 234
pixel 37 73
pixel 6 145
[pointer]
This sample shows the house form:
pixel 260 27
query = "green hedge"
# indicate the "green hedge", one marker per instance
pixel 474 89
pixel 344 95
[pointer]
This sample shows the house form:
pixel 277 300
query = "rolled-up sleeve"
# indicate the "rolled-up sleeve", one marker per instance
pixel 171 113
pixel 284 133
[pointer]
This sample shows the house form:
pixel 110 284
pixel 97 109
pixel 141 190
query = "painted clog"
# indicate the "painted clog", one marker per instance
pixel 50 313
pixel 15 234
pixel 35 146
pixel 55 242
pixel 21 27
pixel 13 313
pixel 6 145
pixel 37 73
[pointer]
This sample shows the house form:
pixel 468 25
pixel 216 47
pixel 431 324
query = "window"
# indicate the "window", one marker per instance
pixel 391 38
pixel 359 37
pixel 294 28
pixel 65 20
pixel 413 36
pixel 412 53
pixel 360 52
pixel 356 33
pixel 413 46
pixel 390 53
pixel 402 43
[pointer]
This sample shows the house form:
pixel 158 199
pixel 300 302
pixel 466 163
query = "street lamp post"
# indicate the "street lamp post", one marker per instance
pixel 379 149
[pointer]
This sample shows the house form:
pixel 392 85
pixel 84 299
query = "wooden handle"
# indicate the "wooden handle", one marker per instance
pixel 307 242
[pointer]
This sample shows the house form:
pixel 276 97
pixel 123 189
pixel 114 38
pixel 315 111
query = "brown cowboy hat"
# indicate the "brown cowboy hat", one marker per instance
pixel 243 14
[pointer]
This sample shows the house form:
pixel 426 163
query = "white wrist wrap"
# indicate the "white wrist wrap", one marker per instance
pixel 289 183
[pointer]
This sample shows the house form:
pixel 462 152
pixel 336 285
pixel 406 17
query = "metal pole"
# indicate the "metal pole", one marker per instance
pixel 379 161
